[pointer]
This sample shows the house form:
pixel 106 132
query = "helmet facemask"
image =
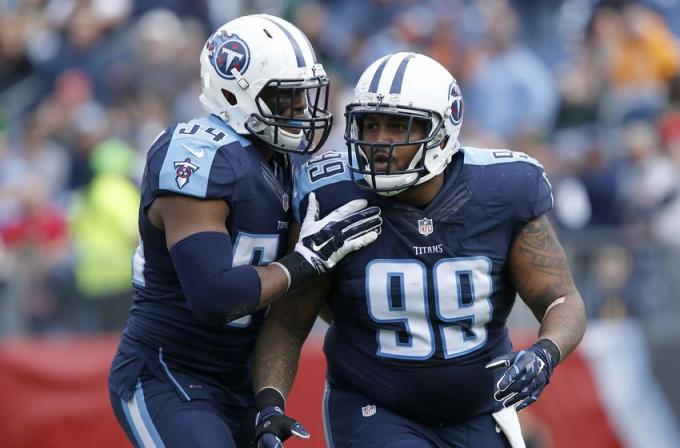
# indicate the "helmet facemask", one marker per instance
pixel 278 122
pixel 373 164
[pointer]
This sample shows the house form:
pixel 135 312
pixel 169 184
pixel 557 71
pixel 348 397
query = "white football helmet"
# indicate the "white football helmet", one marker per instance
pixel 252 69
pixel 414 86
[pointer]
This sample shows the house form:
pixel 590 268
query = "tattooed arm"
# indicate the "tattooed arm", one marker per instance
pixel 290 319
pixel 277 353
pixel 288 323
pixel 540 272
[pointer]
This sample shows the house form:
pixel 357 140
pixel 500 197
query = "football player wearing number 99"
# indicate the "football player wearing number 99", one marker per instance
pixel 418 350
pixel 213 223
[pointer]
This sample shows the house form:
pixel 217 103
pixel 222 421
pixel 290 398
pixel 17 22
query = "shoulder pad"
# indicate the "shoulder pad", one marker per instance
pixel 324 169
pixel 510 184
pixel 484 156
pixel 192 164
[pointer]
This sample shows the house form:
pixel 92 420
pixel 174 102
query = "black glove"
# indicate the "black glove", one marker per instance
pixel 272 426
pixel 526 373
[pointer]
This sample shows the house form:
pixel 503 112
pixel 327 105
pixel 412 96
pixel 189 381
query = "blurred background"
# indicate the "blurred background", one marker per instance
pixel 589 88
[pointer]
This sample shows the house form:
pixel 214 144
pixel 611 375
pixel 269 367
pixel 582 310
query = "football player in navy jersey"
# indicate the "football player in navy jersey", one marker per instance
pixel 418 350
pixel 213 223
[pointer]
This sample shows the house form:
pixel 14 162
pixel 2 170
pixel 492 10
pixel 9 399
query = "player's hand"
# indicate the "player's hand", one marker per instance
pixel 324 242
pixel 272 426
pixel 526 374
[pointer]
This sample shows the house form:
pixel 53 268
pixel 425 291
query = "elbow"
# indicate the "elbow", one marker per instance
pixel 227 295
pixel 215 312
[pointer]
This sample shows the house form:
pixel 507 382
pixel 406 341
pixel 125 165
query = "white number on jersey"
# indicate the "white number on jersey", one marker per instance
pixel 254 249
pixel 464 329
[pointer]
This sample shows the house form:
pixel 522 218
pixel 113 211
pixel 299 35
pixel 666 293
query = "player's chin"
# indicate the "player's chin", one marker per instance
pixel 380 168
pixel 290 130
pixel 383 168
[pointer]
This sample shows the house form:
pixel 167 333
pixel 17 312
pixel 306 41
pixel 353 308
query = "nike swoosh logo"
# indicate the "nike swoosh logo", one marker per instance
pixel 197 152
pixel 316 248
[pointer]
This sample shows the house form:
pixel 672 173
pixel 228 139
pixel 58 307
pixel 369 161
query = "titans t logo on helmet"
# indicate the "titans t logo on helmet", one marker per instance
pixel 228 52
pixel 457 104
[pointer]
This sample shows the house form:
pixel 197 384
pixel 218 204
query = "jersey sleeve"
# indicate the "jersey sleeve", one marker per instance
pixel 510 184
pixel 544 198
pixel 532 196
pixel 316 173
pixel 194 159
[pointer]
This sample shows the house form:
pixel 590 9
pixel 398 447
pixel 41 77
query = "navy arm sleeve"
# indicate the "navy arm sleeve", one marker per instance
pixel 216 292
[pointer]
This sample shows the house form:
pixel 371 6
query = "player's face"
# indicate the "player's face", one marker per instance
pixel 287 103
pixel 383 128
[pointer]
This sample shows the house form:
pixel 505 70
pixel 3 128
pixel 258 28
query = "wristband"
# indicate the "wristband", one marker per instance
pixel 553 351
pixel 297 269
pixel 269 397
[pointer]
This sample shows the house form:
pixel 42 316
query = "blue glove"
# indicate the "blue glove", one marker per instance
pixel 526 374
pixel 272 426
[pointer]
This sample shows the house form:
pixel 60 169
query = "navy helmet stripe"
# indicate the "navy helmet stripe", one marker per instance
pixel 399 75
pixel 378 73
pixel 298 51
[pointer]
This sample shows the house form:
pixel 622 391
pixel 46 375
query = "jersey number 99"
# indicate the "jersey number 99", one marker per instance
pixel 397 297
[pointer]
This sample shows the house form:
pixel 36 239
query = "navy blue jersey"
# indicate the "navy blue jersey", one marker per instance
pixel 204 158
pixel 418 313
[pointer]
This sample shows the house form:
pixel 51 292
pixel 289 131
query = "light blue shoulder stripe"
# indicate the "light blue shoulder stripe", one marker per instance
pixel 484 156
pixel 326 416
pixel 327 168
pixel 190 154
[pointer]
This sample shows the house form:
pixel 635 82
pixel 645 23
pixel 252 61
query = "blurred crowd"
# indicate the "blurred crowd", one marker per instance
pixel 590 88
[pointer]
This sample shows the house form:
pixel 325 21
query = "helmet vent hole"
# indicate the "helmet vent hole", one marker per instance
pixel 267 33
pixel 230 97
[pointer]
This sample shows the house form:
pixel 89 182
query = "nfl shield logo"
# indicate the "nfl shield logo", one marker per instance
pixel 425 226
pixel 368 410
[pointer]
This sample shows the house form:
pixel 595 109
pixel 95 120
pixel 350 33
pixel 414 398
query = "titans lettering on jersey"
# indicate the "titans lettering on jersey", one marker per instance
pixel 204 159
pixel 418 313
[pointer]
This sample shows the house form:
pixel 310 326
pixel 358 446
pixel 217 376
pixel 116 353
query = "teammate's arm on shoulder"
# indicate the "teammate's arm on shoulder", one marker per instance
pixel 539 270
pixel 198 242
pixel 201 252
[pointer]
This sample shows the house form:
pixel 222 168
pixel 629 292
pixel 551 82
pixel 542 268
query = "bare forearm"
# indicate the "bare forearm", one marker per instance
pixel 540 271
pixel 565 323
pixel 290 319
pixel 276 364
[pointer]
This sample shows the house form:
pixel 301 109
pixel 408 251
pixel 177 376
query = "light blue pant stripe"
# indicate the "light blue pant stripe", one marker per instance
pixel 138 439
pixel 146 417
pixel 139 421
pixel 327 417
